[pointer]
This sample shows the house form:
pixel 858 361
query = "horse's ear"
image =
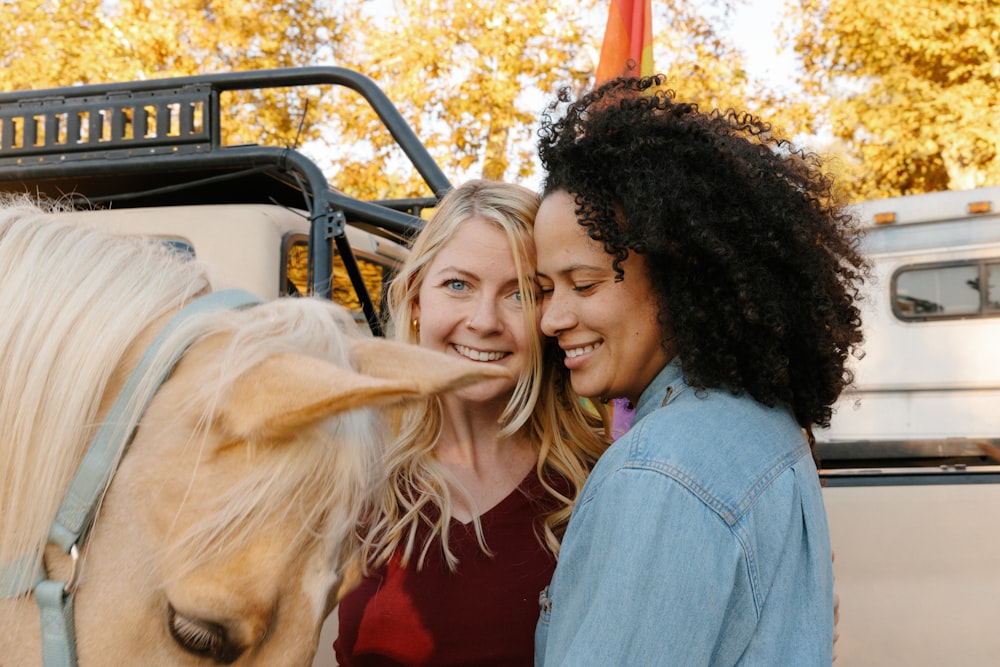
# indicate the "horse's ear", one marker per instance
pixel 432 372
pixel 287 392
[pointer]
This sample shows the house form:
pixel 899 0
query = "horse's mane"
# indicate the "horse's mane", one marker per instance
pixel 73 300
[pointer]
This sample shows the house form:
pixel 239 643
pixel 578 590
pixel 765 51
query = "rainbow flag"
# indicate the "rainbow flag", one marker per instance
pixel 628 36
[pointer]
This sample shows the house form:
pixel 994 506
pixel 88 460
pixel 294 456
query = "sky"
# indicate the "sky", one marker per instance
pixel 754 31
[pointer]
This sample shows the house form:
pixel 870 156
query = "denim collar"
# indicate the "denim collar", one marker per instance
pixel 664 388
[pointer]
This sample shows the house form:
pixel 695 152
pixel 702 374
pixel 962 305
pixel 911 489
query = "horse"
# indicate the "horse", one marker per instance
pixel 249 446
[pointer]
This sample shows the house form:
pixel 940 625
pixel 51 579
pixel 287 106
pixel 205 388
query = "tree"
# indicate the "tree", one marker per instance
pixel 471 76
pixel 910 87
pixel 51 44
pixel 701 65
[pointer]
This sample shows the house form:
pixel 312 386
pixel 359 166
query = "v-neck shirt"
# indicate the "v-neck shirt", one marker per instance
pixel 483 613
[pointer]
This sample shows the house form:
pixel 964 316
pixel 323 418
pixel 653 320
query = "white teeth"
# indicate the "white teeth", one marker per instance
pixel 477 355
pixel 577 351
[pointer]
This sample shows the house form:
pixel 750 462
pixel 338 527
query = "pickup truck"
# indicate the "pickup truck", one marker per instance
pixel 910 463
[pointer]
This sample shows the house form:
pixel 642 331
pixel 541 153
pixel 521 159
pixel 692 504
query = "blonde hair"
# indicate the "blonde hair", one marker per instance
pixel 567 437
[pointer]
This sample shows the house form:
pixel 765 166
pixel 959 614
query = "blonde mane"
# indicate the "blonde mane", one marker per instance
pixel 73 301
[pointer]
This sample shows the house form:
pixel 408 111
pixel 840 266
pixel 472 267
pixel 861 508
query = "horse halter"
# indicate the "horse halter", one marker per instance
pixel 79 504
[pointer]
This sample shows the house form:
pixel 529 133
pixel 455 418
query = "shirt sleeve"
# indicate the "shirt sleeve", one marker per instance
pixel 648 574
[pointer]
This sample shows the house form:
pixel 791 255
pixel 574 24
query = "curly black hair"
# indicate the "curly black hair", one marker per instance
pixel 755 265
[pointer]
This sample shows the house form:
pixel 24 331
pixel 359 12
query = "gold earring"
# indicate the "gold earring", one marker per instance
pixel 415 326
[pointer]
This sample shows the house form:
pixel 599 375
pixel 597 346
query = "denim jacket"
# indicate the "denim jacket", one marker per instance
pixel 700 538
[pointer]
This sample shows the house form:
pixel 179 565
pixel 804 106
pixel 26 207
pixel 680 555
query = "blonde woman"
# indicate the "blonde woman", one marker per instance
pixel 482 481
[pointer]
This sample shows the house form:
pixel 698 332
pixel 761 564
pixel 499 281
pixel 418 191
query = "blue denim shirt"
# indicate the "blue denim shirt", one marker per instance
pixel 700 538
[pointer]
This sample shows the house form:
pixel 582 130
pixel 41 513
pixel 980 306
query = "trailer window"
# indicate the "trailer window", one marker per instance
pixel 993 286
pixel 942 291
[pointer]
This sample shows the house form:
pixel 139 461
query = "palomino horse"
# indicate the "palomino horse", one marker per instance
pixel 224 532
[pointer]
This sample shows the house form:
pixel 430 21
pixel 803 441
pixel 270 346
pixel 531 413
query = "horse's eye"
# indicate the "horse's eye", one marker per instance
pixel 202 638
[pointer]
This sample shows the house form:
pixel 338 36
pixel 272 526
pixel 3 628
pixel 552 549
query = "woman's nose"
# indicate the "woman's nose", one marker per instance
pixel 556 317
pixel 485 318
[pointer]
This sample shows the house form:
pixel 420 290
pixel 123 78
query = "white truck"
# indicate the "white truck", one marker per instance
pixel 911 461
pixel 910 464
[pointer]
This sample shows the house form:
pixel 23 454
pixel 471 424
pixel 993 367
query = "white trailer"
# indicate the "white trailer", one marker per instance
pixel 910 462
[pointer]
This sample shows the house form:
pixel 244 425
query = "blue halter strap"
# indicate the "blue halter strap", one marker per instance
pixel 76 512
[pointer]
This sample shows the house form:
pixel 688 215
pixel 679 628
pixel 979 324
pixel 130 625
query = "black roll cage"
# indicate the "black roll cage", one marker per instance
pixel 106 143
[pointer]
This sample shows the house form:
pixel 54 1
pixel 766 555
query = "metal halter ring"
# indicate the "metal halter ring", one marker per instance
pixel 74 574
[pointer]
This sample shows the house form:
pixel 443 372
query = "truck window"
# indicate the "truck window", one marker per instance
pixel 182 247
pixel 952 290
pixel 295 281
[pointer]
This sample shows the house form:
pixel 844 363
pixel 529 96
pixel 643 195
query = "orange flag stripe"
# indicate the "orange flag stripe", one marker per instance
pixel 628 36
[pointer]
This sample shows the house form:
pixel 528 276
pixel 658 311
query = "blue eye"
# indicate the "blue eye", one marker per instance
pixel 455 284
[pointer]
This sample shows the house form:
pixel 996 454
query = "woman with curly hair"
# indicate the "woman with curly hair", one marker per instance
pixel 481 481
pixel 698 266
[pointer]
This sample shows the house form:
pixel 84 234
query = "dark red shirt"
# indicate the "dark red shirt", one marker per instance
pixel 483 613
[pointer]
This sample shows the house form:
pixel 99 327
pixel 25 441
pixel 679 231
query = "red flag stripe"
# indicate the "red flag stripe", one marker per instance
pixel 628 36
